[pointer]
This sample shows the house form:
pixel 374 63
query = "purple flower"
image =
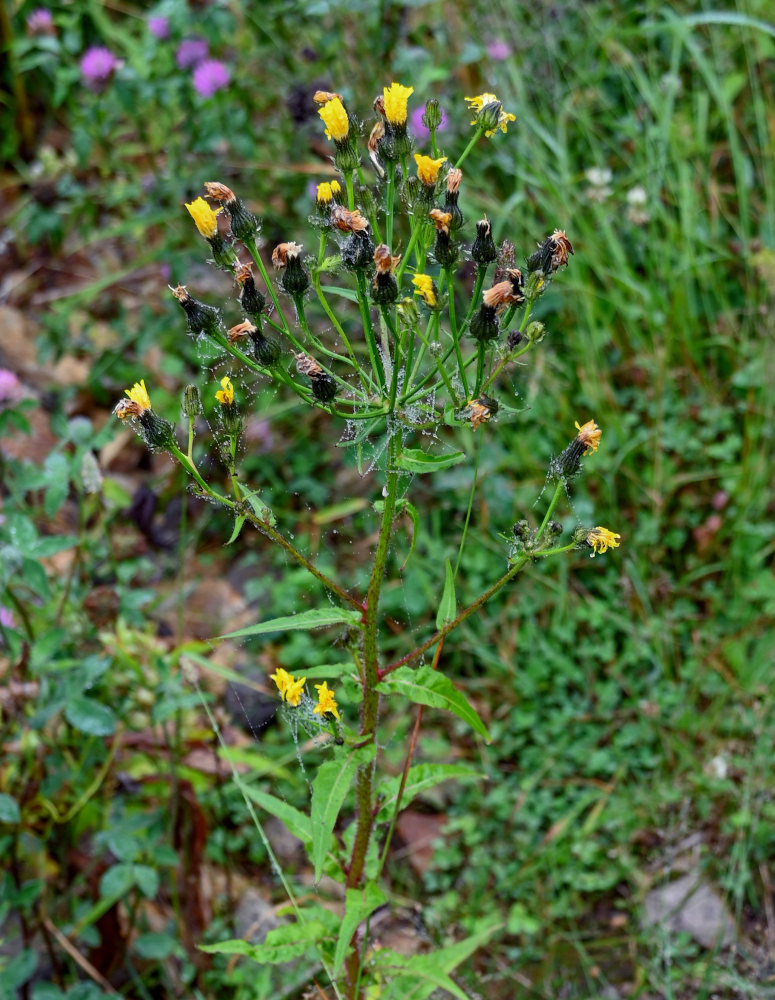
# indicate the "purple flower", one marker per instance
pixel 40 22
pixel 6 618
pixel 209 76
pixel 499 50
pixel 419 129
pixel 10 388
pixel 159 27
pixel 190 52
pixel 97 66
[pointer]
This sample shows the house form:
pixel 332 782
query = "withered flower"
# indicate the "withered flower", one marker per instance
pixel 348 222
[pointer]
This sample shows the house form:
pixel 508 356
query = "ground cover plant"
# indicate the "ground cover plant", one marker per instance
pixel 628 699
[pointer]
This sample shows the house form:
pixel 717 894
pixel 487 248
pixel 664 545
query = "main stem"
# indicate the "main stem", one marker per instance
pixel 364 787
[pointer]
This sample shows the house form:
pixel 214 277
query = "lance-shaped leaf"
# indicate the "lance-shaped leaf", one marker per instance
pixel 329 791
pixel 415 460
pixel 294 820
pixel 426 686
pixel 448 604
pixel 359 904
pixel 420 778
pixel 306 620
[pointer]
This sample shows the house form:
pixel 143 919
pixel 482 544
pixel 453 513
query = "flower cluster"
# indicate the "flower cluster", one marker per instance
pixel 292 691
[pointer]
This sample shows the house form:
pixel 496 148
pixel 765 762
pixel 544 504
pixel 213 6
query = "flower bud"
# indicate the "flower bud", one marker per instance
pixel 159 433
pixel 295 279
pixel 483 250
pixel 192 404
pixel 431 117
pixel 484 324
pixel 535 333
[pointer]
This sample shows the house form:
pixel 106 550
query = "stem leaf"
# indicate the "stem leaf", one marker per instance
pixel 420 778
pixel 293 819
pixel 448 605
pixel 314 618
pixel 426 686
pixel 239 520
pixel 359 904
pixel 329 791
pixel 415 460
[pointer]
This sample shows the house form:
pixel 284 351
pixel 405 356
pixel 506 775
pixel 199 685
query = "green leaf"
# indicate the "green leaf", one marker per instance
pixel 239 520
pixel 415 460
pixel 426 686
pixel 294 820
pixel 156 946
pixel 420 778
pixel 282 944
pixel 9 809
pixel 118 880
pixel 344 293
pixel 260 509
pixel 332 263
pixel 329 790
pixel 316 618
pixel 448 604
pixel 89 716
pixel 411 510
pixel 519 921
pixel 359 904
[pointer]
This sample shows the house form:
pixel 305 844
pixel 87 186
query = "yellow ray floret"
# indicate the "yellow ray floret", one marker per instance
pixel 326 700
pixel 295 690
pixel 205 218
pixel 428 168
pixel 139 394
pixel 589 435
pixel 423 285
pixel 226 393
pixel 601 539
pixel 335 119
pixel 396 97
pixel 282 679
pixel 476 104
pixel 325 194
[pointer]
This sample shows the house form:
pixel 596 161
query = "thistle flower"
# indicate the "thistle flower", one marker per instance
pixel 489 114
pixel 395 97
pixel 190 52
pixel 210 76
pixel 335 119
pixel 423 285
pixel 41 22
pixel 97 66
pixel 225 395
pixel 428 168
pixel 601 540
pixel 159 27
pixel 326 701
pixel 205 218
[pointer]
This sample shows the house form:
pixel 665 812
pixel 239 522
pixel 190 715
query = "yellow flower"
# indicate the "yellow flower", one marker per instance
pixel 335 119
pixel 428 168
pixel 423 285
pixel 226 393
pixel 326 700
pixel 601 539
pixel 396 97
pixel 336 188
pixel 282 679
pixel 295 690
pixel 139 394
pixel 481 101
pixel 589 435
pixel 205 218
pixel 325 194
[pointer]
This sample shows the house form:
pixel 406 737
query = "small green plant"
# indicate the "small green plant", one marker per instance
pixel 406 375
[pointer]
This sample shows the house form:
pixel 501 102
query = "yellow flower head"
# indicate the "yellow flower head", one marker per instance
pixel 325 194
pixel 589 435
pixel 326 700
pixel 226 393
pixel 601 539
pixel 478 103
pixel 336 188
pixel 396 97
pixel 205 218
pixel 423 285
pixel 282 679
pixel 428 168
pixel 139 394
pixel 295 690
pixel 335 119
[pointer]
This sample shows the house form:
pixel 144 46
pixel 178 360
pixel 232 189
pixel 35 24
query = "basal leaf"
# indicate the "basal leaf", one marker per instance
pixel 359 904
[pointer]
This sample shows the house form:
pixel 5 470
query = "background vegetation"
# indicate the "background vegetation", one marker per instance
pixel 630 698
